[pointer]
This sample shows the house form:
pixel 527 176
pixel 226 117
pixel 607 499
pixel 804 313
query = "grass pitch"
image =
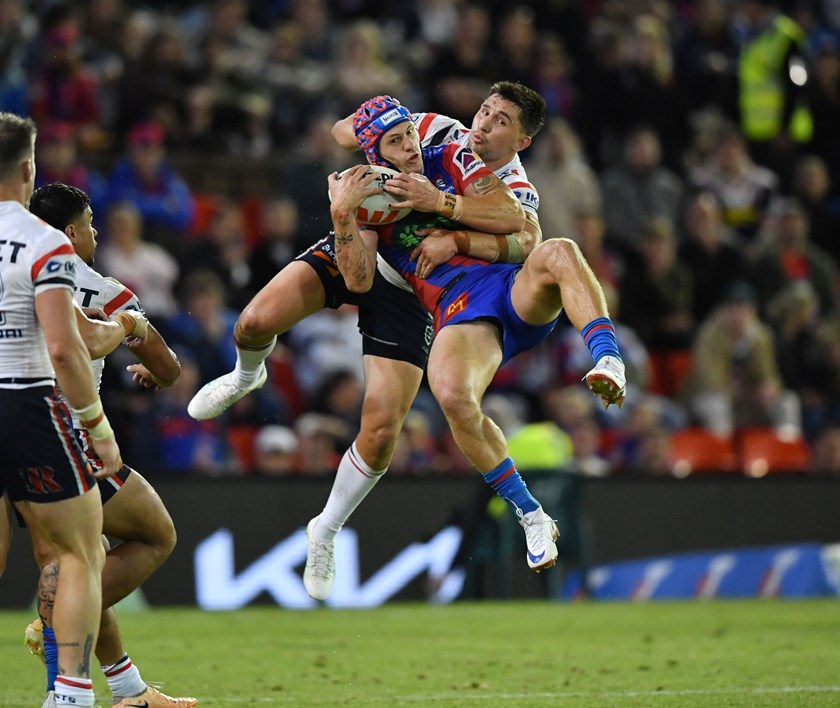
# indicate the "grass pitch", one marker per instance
pixel 748 653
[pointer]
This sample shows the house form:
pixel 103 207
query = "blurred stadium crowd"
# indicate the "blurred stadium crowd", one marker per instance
pixel 691 151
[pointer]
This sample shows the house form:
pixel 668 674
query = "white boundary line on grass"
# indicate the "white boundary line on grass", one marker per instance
pixel 472 695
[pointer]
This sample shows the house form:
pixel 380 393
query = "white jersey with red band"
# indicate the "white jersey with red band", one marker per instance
pixel 34 258
pixel 435 129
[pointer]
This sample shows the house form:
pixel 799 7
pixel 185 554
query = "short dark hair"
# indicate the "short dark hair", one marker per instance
pixel 58 204
pixel 17 136
pixel 532 108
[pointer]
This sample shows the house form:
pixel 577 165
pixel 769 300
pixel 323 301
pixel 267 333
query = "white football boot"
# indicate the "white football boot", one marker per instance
pixel 540 534
pixel 215 397
pixel 607 381
pixel 319 573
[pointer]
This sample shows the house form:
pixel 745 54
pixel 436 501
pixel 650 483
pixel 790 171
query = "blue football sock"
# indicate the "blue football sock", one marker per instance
pixel 50 656
pixel 507 483
pixel 599 336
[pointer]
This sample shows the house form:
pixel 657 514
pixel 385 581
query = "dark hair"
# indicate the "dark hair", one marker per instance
pixel 58 204
pixel 17 136
pixel 532 108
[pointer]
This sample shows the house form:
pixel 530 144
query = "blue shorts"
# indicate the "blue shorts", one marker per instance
pixel 484 294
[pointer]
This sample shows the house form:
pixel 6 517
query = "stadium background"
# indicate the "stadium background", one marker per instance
pixel 231 102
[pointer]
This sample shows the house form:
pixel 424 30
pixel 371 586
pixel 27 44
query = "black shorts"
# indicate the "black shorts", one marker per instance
pixel 393 323
pixel 109 486
pixel 42 460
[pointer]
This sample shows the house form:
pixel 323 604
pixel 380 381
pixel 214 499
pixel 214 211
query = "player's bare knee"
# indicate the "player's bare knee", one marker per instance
pixel 560 255
pixel 458 405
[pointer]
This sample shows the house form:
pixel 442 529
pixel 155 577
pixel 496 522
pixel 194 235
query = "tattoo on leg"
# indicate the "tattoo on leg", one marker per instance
pixel 84 666
pixel 47 584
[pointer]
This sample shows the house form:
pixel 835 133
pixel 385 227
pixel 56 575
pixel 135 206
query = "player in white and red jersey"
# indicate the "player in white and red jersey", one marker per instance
pixel 132 510
pixel 42 468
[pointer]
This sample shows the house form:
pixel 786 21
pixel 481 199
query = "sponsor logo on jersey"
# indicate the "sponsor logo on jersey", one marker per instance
pixel 458 306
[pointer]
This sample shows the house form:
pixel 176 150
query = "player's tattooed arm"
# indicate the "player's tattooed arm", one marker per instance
pixel 352 261
pixel 490 206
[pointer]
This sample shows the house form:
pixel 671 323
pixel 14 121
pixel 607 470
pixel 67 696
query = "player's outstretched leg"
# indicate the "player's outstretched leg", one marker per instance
pixel 292 295
pixel 390 388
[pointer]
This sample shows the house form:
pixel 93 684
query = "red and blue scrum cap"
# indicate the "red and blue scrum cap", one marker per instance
pixel 372 120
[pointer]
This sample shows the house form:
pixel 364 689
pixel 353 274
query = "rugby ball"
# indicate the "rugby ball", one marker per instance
pixel 374 210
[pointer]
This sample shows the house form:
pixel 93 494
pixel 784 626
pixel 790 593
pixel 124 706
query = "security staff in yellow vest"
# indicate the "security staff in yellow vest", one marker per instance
pixel 772 74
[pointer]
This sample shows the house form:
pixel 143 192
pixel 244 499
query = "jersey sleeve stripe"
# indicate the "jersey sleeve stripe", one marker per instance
pixel 425 123
pixel 117 302
pixel 514 185
pixel 57 280
pixel 64 249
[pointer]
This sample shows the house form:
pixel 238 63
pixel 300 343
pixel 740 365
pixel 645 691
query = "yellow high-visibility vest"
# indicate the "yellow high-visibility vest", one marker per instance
pixel 762 74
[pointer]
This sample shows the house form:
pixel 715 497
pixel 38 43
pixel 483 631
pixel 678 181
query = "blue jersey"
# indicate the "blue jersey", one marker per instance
pixel 463 289
pixel 451 168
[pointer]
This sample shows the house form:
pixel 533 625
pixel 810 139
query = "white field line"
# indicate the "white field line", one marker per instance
pixel 561 695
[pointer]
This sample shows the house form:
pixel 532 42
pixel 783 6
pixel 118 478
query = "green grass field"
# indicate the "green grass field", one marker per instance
pixel 749 653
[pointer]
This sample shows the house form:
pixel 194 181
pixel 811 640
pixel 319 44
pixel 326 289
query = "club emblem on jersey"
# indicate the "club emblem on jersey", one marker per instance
pixel 458 306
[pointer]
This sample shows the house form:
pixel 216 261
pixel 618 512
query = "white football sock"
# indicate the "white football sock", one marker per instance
pixel 353 481
pixel 248 362
pixel 73 691
pixel 124 678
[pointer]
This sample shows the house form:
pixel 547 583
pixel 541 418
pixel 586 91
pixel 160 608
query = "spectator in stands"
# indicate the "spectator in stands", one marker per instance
pixel 657 295
pixel 709 251
pixel 298 86
pixel 155 86
pixel 588 233
pixel 146 268
pixel 772 77
pixel 17 29
pixel 789 255
pixel 275 448
pixel 204 325
pixel 806 354
pixel 58 161
pixel 707 59
pixel 558 168
pixel 146 179
pixel 735 380
pixel 553 79
pixel 62 89
pixel 825 105
pixel 340 395
pixel 587 459
pixel 167 439
pixel 305 173
pixel 324 343
pixel 417 451
pixel 223 250
pixel 362 68
pixel 638 191
pixel 458 77
pixel 743 188
pixel 321 439
pixel 812 187
pixel 280 241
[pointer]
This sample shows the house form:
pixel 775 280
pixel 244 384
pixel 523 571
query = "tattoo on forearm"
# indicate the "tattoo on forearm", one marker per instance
pixel 343 238
pixel 487 185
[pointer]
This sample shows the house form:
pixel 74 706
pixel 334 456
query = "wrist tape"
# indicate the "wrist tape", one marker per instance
pixel 93 419
pixel 129 323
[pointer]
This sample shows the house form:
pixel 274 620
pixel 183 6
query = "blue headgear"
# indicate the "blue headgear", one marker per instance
pixel 372 120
